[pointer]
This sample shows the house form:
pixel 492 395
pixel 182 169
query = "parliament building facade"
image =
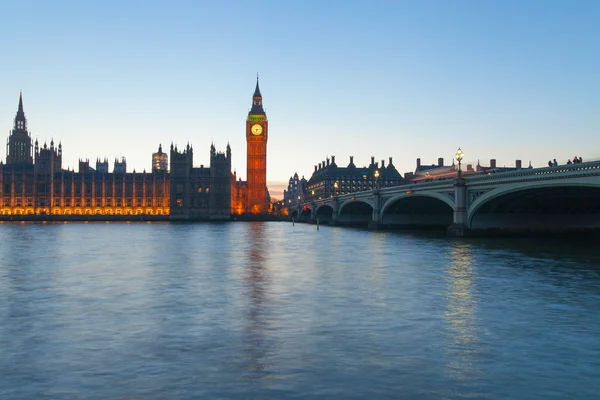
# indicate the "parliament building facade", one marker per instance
pixel 34 183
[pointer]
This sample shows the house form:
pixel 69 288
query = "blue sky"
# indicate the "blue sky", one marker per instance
pixel 501 79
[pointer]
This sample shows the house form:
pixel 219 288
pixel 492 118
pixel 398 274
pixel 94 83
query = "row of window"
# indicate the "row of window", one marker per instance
pixel 77 211
pixel 18 202
pixel 108 191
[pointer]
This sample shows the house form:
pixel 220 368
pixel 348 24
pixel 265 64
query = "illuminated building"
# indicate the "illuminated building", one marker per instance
pixel 252 196
pixel 34 183
pixel 330 180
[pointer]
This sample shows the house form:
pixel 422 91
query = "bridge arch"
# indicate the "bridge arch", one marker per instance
pixel 323 208
pixel 572 204
pixel 356 212
pixel 418 210
pixel 442 197
pixel 304 213
pixel 348 202
pixel 324 213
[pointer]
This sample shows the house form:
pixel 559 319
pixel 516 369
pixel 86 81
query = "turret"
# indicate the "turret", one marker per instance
pixel 19 149
pixel 160 160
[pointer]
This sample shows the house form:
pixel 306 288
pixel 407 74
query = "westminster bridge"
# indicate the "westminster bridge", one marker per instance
pixel 549 199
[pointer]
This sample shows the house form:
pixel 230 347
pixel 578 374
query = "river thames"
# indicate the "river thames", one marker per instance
pixel 274 310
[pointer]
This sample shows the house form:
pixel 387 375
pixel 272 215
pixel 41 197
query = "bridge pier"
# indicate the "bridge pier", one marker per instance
pixel 313 213
pixel 335 215
pixel 375 222
pixel 459 223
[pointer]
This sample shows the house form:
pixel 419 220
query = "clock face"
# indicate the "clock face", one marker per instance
pixel 256 129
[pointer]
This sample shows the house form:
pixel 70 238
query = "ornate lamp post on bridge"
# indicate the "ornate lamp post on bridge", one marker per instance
pixel 375 222
pixel 335 189
pixel 459 157
pixel 459 224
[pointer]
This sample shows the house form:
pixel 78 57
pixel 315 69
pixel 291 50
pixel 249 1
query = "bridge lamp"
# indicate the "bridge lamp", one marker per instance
pixel 459 157
pixel 377 179
pixel 335 188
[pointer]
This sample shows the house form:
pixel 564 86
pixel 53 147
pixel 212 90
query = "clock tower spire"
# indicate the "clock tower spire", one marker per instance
pixel 257 129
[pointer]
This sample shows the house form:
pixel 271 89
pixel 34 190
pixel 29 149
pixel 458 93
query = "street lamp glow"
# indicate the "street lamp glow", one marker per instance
pixel 459 157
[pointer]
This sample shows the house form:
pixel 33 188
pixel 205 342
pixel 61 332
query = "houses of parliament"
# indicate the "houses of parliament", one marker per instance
pixel 34 183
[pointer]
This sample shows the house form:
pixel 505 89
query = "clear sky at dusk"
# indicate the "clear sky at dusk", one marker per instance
pixel 501 79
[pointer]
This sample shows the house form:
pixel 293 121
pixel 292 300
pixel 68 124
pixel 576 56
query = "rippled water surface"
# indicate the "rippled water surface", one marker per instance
pixel 271 310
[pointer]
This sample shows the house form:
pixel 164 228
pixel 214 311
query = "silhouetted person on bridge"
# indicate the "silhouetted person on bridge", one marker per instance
pixel 555 163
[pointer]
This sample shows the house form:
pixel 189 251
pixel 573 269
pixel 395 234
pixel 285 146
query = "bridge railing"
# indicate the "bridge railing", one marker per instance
pixel 587 168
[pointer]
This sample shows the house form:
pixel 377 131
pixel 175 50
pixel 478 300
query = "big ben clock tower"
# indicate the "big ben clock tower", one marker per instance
pixel 257 133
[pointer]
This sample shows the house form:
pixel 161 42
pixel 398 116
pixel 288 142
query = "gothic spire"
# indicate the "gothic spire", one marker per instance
pixel 20 122
pixel 21 101
pixel 257 107
pixel 257 90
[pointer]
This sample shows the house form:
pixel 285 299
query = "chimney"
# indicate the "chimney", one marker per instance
pixel 328 161
pixel 390 163
pixel 440 162
pixel 518 164
pixel 351 159
pixel 372 160
pixel 333 159
pixel 493 163
pixel 382 163
pixel 315 168
pixel 418 162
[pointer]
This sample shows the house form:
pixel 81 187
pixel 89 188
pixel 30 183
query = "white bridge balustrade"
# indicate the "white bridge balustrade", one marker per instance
pixel 549 199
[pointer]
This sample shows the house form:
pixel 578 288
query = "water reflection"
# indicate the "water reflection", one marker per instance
pixel 255 343
pixel 462 343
